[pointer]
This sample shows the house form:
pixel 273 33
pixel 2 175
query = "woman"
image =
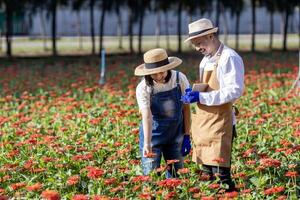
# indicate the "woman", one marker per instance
pixel 165 126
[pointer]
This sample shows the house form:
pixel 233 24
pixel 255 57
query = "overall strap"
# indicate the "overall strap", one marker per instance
pixel 201 70
pixel 177 77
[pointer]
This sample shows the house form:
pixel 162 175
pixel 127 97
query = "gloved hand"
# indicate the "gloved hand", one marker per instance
pixel 186 145
pixel 190 96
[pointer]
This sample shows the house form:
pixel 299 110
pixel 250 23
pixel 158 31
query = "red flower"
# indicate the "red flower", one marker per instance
pixel 214 186
pixel 170 183
pixel 145 196
pixel 73 180
pixel 141 179
pixel 291 174
pixel 34 187
pixel 194 190
pixel 50 195
pixel 80 197
pixel 274 190
pixel 16 186
pixel 110 181
pixel 169 162
pixel 231 194
pixel 183 171
pixel 170 195
pixel 97 197
pixel 269 162
pixel 94 172
pixel 3 197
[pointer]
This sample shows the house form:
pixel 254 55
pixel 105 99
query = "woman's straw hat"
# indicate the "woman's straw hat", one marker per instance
pixel 156 61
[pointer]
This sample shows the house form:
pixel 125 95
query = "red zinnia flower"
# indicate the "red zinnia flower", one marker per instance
pixel 274 190
pixel 170 183
pixel 291 174
pixel 50 195
pixel 94 172
pixel 72 180
pixel 141 179
pixel 145 196
pixel 34 187
pixel 80 197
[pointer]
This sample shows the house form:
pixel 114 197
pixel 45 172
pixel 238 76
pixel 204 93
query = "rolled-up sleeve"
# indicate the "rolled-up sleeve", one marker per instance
pixel 231 80
pixel 142 96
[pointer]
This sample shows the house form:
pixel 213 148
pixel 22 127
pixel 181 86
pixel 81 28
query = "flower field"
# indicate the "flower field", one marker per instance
pixel 62 136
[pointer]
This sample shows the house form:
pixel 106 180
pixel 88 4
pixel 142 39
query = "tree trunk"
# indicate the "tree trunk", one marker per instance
pixel 217 13
pixel 223 13
pixel 287 13
pixel 179 25
pixel 43 30
pixel 271 29
pixel 0 40
pixel 102 26
pixel 130 26
pixel 79 29
pixel 119 29
pixel 237 24
pixel 9 28
pixel 92 3
pixel 141 22
pixel 167 29
pixel 53 12
pixel 157 28
pixel 253 26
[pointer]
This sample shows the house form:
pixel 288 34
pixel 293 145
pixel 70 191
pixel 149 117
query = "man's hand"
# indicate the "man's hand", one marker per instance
pixel 190 96
pixel 186 145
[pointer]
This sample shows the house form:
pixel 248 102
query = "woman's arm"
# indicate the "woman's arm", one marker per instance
pixel 187 118
pixel 147 127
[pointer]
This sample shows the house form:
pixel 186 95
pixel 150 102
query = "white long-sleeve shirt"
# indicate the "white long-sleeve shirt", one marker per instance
pixel 230 74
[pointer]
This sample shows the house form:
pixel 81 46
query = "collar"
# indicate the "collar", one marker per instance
pixel 217 54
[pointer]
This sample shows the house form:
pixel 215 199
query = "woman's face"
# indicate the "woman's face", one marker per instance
pixel 159 77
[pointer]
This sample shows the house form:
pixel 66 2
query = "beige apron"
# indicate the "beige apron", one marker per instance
pixel 212 128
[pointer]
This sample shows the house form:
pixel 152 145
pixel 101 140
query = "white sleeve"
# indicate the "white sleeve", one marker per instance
pixel 232 72
pixel 184 83
pixel 142 96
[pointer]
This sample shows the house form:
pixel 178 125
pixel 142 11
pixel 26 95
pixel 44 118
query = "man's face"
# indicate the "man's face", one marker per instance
pixel 203 44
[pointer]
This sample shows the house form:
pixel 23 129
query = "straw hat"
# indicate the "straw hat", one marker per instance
pixel 156 61
pixel 200 28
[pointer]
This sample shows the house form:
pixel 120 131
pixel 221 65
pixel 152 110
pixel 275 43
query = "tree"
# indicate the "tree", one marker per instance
pixel 142 6
pixel 11 6
pixel 76 6
pixel 253 32
pixel 235 7
pixel 117 4
pixel 179 11
pixel 271 8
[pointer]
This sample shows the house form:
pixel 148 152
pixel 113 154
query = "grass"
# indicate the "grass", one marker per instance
pixel 70 45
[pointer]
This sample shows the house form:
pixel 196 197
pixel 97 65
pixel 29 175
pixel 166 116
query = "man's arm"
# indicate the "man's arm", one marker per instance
pixel 233 76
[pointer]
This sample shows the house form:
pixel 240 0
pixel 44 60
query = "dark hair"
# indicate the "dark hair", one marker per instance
pixel 149 80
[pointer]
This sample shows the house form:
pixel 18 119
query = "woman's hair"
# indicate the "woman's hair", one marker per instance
pixel 149 80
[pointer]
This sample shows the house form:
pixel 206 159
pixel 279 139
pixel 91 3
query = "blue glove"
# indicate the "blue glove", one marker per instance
pixel 190 96
pixel 186 145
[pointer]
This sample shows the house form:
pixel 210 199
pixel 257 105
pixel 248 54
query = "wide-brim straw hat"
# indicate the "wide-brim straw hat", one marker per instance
pixel 156 61
pixel 200 28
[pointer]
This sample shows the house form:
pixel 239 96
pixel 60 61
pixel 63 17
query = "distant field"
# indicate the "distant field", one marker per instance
pixel 24 46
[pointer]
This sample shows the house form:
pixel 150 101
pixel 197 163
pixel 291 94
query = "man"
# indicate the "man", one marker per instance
pixel 213 125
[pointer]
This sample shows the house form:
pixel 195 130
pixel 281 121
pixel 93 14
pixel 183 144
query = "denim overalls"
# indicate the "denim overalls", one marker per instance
pixel 167 130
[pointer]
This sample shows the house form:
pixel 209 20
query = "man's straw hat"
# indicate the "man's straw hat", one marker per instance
pixel 156 61
pixel 200 28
